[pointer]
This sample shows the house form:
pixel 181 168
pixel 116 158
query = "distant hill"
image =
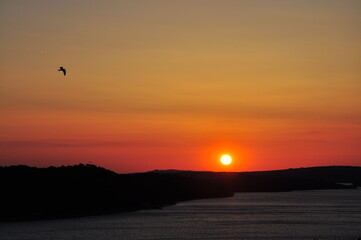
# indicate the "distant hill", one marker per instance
pixel 41 193
pixel 338 174
pixel 329 177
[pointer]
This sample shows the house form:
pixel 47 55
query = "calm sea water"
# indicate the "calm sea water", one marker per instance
pixel 327 214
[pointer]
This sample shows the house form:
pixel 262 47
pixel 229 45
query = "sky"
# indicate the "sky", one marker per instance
pixel 175 84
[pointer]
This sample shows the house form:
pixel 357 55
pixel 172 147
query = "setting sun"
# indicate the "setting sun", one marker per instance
pixel 226 159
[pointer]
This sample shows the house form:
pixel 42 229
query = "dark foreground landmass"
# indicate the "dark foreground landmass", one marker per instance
pixel 29 193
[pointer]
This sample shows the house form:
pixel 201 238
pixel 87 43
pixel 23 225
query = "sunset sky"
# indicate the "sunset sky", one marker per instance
pixel 175 84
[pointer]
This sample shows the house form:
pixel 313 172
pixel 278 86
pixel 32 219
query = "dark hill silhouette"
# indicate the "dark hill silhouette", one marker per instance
pixel 40 193
pixel 285 180
pixel 339 174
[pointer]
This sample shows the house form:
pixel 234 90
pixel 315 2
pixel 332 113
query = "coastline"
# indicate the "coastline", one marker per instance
pixel 86 190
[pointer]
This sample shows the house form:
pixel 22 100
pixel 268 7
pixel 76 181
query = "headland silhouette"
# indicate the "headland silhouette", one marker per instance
pixel 30 193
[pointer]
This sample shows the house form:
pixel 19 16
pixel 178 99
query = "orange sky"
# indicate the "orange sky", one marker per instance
pixel 174 84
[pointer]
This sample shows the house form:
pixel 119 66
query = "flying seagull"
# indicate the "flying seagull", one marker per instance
pixel 63 70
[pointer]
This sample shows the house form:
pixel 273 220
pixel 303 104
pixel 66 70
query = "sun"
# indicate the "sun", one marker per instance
pixel 226 159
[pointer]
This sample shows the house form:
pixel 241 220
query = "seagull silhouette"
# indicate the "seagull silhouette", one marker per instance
pixel 63 70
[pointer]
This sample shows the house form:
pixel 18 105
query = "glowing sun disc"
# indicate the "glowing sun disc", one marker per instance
pixel 226 159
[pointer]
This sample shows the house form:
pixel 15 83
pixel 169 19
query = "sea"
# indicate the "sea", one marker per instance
pixel 321 214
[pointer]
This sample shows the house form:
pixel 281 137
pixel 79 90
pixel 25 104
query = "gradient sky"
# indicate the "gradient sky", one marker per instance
pixel 174 84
